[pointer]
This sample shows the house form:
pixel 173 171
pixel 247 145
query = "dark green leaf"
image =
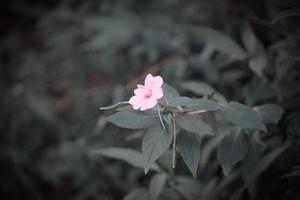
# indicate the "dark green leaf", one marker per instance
pixel 131 120
pixel 194 124
pixel 157 185
pixel 218 41
pixel 270 113
pixel 180 101
pixel 257 60
pixel 203 89
pixel 169 92
pixel 242 116
pixel 199 104
pixel 232 149
pixel 155 142
pixel 130 156
pixel 189 147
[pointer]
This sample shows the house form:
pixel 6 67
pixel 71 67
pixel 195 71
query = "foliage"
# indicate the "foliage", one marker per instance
pixel 234 63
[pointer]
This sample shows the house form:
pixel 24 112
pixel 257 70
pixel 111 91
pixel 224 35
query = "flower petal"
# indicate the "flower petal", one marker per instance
pixel 136 101
pixel 149 103
pixel 149 81
pixel 157 81
pixel 140 91
pixel 157 93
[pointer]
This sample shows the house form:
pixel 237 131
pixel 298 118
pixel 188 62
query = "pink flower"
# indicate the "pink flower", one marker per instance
pixel 146 96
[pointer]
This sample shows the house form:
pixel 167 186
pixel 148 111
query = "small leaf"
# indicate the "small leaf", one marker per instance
pixel 203 89
pixel 157 185
pixel 217 40
pixel 137 194
pixel 232 149
pixel 189 147
pixel 271 113
pixel 257 60
pixel 130 156
pixel 194 124
pixel 155 142
pixel 132 120
pixel 242 116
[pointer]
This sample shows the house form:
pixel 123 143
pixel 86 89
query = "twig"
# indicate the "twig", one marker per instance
pixel 161 121
pixel 174 141
pixel 113 106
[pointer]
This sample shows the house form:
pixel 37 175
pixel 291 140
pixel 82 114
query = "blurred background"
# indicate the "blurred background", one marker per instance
pixel 60 60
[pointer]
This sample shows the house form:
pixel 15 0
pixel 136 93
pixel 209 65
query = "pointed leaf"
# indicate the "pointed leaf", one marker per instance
pixel 155 142
pixel 169 92
pixel 132 120
pixel 189 147
pixel 217 40
pixel 242 116
pixel 194 124
pixel 232 149
pixel 257 60
pixel 270 113
pixel 199 104
pixel 203 89
pixel 130 156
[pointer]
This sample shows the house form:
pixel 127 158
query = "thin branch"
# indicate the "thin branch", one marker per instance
pixel 161 121
pixel 113 106
pixel 174 141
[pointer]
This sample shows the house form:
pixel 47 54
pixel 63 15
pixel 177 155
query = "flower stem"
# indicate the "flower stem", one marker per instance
pixel 113 106
pixel 161 121
pixel 174 141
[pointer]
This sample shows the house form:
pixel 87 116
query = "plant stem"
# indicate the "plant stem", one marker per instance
pixel 113 106
pixel 174 140
pixel 159 115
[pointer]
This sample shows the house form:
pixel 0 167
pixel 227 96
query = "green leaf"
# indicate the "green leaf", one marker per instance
pixel 189 147
pixel 242 116
pixel 180 101
pixel 232 149
pixel 130 156
pixel 217 40
pixel 271 113
pixel 194 124
pixel 155 142
pixel 169 92
pixel 203 89
pixel 200 104
pixel 157 185
pixel 165 161
pixel 137 194
pixel 257 60
pixel 132 120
